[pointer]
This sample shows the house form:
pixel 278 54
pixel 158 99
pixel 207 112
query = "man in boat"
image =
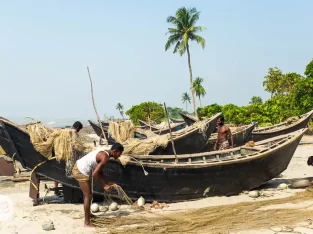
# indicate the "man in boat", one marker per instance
pixel 77 126
pixel 91 165
pixel 223 135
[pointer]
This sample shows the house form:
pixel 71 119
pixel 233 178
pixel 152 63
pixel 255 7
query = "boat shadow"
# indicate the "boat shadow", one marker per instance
pixel 274 183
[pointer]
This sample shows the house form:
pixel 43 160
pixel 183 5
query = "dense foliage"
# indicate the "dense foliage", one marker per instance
pixel 291 95
pixel 146 111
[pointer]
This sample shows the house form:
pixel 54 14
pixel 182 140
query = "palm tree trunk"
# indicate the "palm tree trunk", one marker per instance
pixel 186 105
pixel 200 101
pixel 192 90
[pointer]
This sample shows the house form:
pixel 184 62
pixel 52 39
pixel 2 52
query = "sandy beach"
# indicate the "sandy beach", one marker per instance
pixel 275 211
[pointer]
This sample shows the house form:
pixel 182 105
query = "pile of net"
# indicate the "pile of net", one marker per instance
pixel 63 144
pixel 60 141
pixel 136 146
pixel 122 131
pixel 292 119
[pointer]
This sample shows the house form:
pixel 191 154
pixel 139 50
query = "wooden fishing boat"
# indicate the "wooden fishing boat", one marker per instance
pixel 194 176
pixel 161 131
pixel 190 139
pixel 97 129
pixel 189 119
pixel 240 136
pixel 281 128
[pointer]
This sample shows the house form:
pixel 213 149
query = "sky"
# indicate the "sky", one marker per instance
pixel 46 46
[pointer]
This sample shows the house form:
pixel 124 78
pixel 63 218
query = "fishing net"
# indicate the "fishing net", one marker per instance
pixel 65 144
pixel 124 134
pixel 218 219
pixel 144 147
pixel 122 131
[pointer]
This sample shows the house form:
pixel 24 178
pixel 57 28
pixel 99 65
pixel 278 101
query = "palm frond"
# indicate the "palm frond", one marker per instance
pixel 171 41
pixel 194 18
pixel 198 39
pixel 176 47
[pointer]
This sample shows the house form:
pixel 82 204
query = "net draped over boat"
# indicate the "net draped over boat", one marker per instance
pixel 135 146
pixel 65 143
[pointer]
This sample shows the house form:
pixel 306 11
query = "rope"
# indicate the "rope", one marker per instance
pixel 39 164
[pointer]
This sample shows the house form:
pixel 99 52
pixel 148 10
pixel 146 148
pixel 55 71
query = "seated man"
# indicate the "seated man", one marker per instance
pixel 91 165
pixel 77 126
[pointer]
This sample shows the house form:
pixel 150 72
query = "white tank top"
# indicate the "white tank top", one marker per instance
pixel 88 163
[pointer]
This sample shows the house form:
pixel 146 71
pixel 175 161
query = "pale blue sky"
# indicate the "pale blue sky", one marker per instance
pixel 46 45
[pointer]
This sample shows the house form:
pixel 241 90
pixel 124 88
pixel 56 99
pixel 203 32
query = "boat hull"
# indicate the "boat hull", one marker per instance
pixel 259 136
pixel 192 143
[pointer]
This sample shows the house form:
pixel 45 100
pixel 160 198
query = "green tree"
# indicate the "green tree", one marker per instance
pixel 256 100
pixel 198 88
pixel 120 108
pixel 146 111
pixel 276 82
pixel 184 31
pixel 208 111
pixel 173 112
pixel 185 99
pixel 309 70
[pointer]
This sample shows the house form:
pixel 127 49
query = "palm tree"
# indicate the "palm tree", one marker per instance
pixel 120 108
pixel 185 98
pixel 199 89
pixel 184 31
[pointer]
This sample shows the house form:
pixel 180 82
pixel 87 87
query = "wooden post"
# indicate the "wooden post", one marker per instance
pixel 168 121
pixel 94 106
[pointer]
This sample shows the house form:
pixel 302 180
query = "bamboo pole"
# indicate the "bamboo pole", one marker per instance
pixel 168 121
pixel 94 106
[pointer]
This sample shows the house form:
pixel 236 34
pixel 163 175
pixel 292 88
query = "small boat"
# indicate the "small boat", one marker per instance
pixel 281 128
pixel 241 135
pixel 97 129
pixel 191 139
pixel 189 119
pixel 159 130
pixel 193 176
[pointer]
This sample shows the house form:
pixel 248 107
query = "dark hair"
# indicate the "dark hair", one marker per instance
pixel 117 147
pixel 77 125
pixel 221 118
pixel 310 161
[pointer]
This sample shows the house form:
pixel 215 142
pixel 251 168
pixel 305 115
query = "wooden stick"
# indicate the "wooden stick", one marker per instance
pixel 168 121
pixel 94 106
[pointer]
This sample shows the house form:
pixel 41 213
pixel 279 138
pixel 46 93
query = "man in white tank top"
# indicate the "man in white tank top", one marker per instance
pixel 91 165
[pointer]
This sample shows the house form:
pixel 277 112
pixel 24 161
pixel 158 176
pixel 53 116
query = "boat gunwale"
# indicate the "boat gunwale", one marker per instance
pixel 285 140
pixel 264 131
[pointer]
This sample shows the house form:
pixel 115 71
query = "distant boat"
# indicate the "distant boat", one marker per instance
pixel 281 128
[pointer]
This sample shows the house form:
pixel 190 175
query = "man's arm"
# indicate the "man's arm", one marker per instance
pixel 215 145
pixel 102 159
pixel 231 137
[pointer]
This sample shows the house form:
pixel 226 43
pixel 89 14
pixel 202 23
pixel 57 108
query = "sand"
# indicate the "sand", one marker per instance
pixel 211 215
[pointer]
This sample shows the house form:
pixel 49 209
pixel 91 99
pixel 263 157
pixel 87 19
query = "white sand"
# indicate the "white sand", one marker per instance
pixel 28 218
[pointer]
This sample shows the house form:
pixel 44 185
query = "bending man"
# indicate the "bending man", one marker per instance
pixel 91 165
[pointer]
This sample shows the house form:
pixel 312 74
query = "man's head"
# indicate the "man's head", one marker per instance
pixel 117 150
pixel 220 120
pixel 77 126
pixel 310 161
